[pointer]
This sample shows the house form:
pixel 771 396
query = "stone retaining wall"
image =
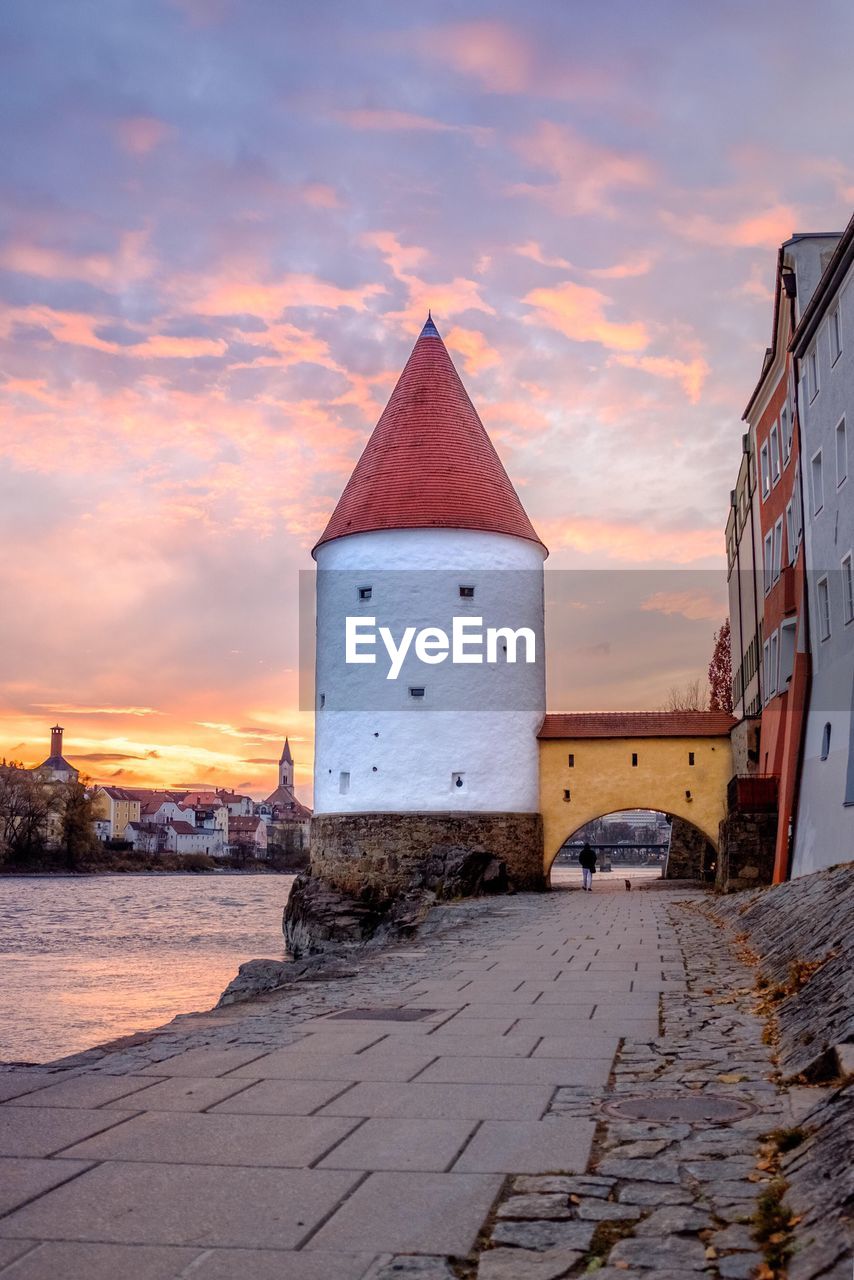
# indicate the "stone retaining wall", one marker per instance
pixel 394 853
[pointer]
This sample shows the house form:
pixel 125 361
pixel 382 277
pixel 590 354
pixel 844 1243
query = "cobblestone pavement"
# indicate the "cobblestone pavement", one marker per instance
pixel 477 1085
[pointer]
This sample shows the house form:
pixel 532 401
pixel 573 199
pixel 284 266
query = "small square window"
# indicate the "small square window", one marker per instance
pixel 567 795
pixel 416 691
pixel 365 593
pixel 634 759
pixel 466 593
pixel 571 759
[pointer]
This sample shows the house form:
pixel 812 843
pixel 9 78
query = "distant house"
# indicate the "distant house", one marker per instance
pixel 183 837
pixel 247 835
pixel 238 806
pixel 114 808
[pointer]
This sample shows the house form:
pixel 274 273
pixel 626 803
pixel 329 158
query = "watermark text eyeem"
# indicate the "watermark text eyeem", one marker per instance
pixel 467 643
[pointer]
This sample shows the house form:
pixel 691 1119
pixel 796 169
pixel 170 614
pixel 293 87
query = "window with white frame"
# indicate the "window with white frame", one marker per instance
pixel 812 365
pixel 765 651
pixel 823 608
pixel 817 478
pixel 790 531
pixel 787 651
pixel 847 589
pixel 766 471
pixel 768 561
pixel 786 430
pixel 797 506
pixel 774 443
pixel 771 666
pixel 778 549
pixel 841 452
pixel 835 332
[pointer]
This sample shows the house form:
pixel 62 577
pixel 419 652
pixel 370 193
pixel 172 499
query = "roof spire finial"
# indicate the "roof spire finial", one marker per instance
pixel 429 330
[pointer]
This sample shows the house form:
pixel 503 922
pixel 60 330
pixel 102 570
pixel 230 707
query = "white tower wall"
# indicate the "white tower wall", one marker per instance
pixel 378 749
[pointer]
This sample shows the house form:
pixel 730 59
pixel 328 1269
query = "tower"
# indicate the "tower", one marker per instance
pixel 428 533
pixel 286 768
pixel 56 740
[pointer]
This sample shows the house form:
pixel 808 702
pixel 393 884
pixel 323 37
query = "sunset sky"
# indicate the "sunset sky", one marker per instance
pixel 221 225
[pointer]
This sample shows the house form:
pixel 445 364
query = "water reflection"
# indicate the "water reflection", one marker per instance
pixel 83 960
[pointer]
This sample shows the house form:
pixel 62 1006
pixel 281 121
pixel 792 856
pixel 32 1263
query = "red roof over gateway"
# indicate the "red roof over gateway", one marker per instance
pixel 429 462
pixel 638 724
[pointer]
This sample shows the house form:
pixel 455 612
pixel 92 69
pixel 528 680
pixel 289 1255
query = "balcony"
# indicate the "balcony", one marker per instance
pixel 752 793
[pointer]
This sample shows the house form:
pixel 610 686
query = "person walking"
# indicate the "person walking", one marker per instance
pixel 587 862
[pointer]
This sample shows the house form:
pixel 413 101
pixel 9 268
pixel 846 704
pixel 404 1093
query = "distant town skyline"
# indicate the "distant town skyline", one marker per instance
pixel 209 283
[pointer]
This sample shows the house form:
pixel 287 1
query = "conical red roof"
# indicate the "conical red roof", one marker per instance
pixel 429 462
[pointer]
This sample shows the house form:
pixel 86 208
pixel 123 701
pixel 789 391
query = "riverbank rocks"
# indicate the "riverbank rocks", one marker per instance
pixel 256 977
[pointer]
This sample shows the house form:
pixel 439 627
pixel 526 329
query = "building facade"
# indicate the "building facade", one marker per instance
pixel 823 348
pixel 771 417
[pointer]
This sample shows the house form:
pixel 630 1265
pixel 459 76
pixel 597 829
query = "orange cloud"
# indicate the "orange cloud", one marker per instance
pixel 697 606
pixel 129 262
pixel 476 352
pixel 760 230
pixel 238 293
pixel 629 542
pixel 535 252
pixel 137 135
pixel 585 173
pixel 447 298
pixel 691 374
pixel 631 267
pixel 578 312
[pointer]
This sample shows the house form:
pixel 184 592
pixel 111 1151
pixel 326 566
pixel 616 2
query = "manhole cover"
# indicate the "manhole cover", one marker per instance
pixel 380 1015
pixel 690 1110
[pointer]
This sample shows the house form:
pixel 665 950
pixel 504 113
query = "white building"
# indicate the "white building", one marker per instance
pixel 429 530
pixel 823 345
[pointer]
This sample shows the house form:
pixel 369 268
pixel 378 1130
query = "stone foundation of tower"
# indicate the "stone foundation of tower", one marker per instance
pixel 395 853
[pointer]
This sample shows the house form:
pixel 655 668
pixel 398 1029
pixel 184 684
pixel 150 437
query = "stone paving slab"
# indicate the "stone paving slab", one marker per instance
pixel 42 1131
pixel 12 1249
pixel 22 1178
pixel 15 1084
pixel 204 1061
pixel 183 1093
pixel 229 1264
pixel 185 1204
pixel 465 1044
pixel 429 1146
pixel 281 1097
pixel 513 1146
pixel 544 1071
pixel 411 1213
pixel 389 1064
pixel 66 1261
pixel 291 1142
pixel 86 1090
pixel 460 1101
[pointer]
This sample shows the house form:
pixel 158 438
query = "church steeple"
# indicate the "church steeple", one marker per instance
pixel 286 767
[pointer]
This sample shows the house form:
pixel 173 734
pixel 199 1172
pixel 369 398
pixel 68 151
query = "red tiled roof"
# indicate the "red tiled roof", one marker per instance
pixel 637 724
pixel 183 828
pixel 429 462
pixel 244 824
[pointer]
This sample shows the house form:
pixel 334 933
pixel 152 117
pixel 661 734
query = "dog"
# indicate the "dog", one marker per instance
pixel 628 884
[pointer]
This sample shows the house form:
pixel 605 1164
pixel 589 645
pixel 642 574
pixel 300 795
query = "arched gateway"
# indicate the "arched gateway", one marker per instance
pixel 592 763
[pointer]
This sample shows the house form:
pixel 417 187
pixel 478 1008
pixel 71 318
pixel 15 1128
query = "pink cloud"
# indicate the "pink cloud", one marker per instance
pixel 691 374
pixel 388 120
pixel 535 252
pixel 137 135
pixel 765 229
pixel 585 174
pixel 447 298
pixel 578 312
pixel 697 606
pixel 476 352
pixel 639 265
pixel 629 542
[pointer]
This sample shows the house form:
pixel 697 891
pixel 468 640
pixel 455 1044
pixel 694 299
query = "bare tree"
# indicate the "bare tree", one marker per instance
pixel 27 806
pixel 688 697
pixel 720 671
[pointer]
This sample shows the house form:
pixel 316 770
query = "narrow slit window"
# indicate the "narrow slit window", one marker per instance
pixel 416 691
pixel 571 760
pixel 690 757
pixel 567 795
pixel 825 741
pixel 343 782
pixel 634 759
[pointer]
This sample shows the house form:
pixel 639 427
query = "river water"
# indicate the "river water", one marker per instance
pixel 84 959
